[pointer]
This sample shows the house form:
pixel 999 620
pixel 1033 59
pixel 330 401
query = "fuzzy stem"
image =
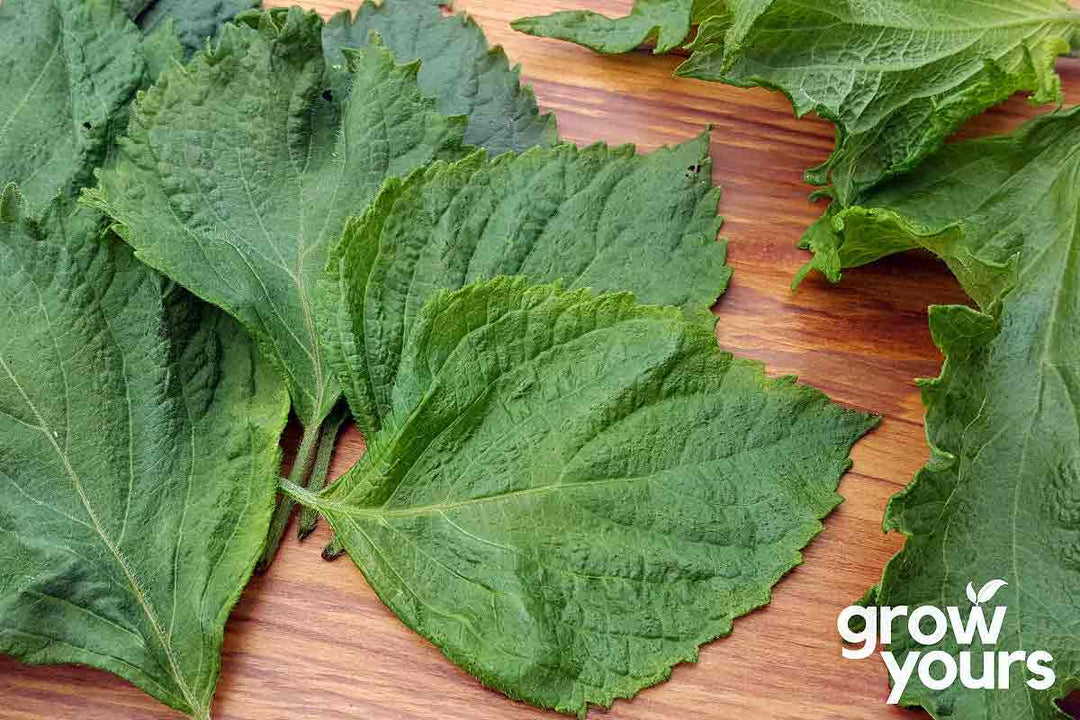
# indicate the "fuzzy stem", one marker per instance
pixel 333 549
pixel 305 457
pixel 309 516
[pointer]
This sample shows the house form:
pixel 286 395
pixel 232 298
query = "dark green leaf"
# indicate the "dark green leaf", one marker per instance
pixel 134 7
pixel 242 166
pixel 69 68
pixel 458 69
pixel 137 463
pixel 598 217
pixel 574 492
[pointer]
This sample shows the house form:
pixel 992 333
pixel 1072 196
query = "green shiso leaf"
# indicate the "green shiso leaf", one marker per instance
pixel 597 217
pixel 70 69
pixel 459 69
pixel 896 78
pixel 242 166
pixel 667 22
pixel 574 492
pixel 1000 496
pixel 140 446
pixel 975 204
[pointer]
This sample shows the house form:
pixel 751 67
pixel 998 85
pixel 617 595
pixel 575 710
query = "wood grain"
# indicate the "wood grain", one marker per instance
pixel 310 639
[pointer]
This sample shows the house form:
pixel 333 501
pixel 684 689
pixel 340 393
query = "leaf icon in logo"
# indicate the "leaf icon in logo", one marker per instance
pixel 986 594
pixel 990 589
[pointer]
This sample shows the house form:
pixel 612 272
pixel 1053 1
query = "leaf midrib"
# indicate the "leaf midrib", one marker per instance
pixel 894 68
pixel 848 21
pixel 33 87
pixel 301 257
pixel 136 589
pixel 380 512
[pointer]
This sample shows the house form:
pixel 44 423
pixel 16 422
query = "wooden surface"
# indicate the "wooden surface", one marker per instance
pixel 311 641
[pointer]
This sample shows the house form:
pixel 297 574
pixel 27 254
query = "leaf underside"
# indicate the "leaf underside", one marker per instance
pixel 242 166
pixel 665 21
pixel 458 69
pixel 574 492
pixel 137 467
pixel 896 78
pixel 597 217
pixel 1000 497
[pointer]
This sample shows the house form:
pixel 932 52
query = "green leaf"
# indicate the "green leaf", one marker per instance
pixel 70 68
pixel 999 497
pixel 134 7
pixel 458 69
pixel 161 47
pixel 597 217
pixel 242 166
pixel 574 492
pixel 195 21
pixel 137 464
pixel 897 78
pixel 668 22
pixel 971 203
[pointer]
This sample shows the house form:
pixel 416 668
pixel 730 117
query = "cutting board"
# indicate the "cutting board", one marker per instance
pixel 309 640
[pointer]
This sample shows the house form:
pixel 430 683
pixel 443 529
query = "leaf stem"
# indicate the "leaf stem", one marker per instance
pixel 309 516
pixel 333 549
pixel 297 493
pixel 308 499
pixel 305 457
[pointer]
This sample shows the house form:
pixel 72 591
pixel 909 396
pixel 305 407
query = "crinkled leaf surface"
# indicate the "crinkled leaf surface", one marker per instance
pixel 666 21
pixel 137 462
pixel 896 77
pixel 458 69
pixel 1000 497
pixel 194 21
pixel 971 203
pixel 597 217
pixel 69 69
pixel 242 166
pixel 574 492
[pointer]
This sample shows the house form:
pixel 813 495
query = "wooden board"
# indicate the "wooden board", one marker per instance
pixel 310 639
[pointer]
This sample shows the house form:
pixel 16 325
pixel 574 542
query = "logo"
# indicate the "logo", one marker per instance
pixel 927 625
